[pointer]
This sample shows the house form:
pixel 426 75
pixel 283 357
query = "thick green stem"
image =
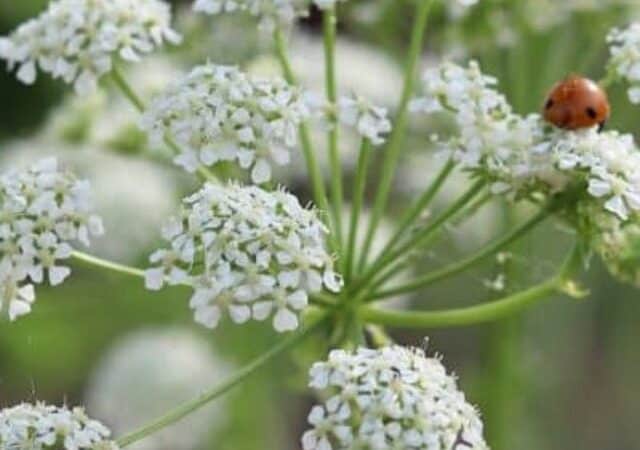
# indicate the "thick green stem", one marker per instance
pixel 315 175
pixel 206 397
pixel 421 238
pixel 392 152
pixel 486 312
pixel 105 264
pixel 463 264
pixel 356 208
pixel 329 32
pixel 409 218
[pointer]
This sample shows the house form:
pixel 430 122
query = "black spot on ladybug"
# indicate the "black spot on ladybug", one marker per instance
pixel 591 112
pixel 549 104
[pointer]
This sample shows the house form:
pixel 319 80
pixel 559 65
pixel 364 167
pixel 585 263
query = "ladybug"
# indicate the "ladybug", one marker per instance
pixel 577 102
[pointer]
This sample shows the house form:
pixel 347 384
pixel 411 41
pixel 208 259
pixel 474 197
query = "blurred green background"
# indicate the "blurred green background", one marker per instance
pixel 566 375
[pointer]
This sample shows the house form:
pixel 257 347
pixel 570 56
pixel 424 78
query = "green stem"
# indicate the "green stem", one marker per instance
pixel 358 199
pixel 419 206
pixel 472 315
pixel 105 264
pixel 463 264
pixel 206 397
pixel 130 94
pixel 392 152
pixel 421 238
pixel 329 32
pixel 315 175
pixel 396 268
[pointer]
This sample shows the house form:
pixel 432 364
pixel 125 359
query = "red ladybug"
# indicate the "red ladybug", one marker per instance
pixel 577 102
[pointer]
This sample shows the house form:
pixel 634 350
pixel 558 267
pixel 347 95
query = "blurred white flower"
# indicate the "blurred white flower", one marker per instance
pixel 271 13
pixel 152 371
pixel 619 248
pixel 132 195
pixel 459 8
pixel 43 211
pixel 78 40
pixel 393 397
pixel 361 68
pixel 38 427
pixel 369 121
pixel 218 113
pixel 624 46
pixel 252 253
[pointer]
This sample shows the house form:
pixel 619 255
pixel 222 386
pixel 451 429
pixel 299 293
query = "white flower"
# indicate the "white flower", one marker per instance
pixel 247 252
pixel 41 426
pixel 42 211
pixel 392 398
pixel 218 113
pixel 624 46
pixel 271 13
pixel 151 371
pixel 78 40
pixel 369 121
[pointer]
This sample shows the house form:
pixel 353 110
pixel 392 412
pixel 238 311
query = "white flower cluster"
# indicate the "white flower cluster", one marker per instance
pixel 248 251
pixel 392 398
pixel 518 154
pixel 218 113
pixel 42 210
pixel 369 121
pixel 76 40
pixel 491 135
pixel 624 46
pixel 41 426
pixel 609 162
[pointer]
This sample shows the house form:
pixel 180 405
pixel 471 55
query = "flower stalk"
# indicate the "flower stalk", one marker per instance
pixel 482 313
pixel 394 146
pixel 329 38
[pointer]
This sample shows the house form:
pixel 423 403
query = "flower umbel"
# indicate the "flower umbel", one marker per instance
pixel 43 210
pixel 78 40
pixel 252 253
pixel 41 426
pixel 392 398
pixel 218 113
